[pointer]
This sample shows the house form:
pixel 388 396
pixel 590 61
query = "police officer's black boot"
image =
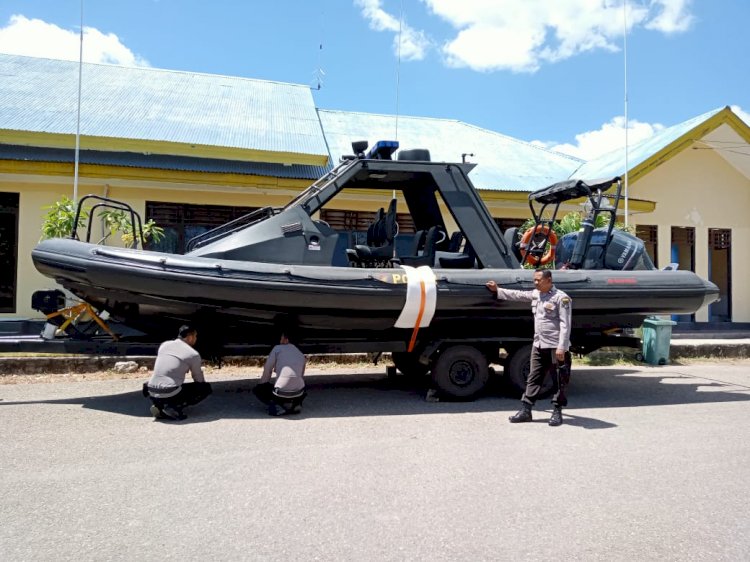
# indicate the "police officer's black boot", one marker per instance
pixel 523 415
pixel 556 418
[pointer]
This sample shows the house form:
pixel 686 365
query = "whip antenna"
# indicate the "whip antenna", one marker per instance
pixel 398 65
pixel 78 115
pixel 625 59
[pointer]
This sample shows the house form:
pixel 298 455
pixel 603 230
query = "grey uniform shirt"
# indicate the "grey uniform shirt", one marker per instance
pixel 289 364
pixel 174 360
pixel 552 312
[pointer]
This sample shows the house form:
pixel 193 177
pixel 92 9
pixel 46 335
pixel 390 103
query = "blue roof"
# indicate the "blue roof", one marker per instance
pixel 40 95
pixel 504 163
pixel 612 163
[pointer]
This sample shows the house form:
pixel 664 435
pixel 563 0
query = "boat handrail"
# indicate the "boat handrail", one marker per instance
pixel 226 229
pixel 322 181
pixel 135 218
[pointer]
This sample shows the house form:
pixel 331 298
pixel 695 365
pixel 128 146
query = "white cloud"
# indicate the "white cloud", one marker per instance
pixel 611 136
pixel 414 43
pixel 742 114
pixel 674 16
pixel 521 35
pixel 37 38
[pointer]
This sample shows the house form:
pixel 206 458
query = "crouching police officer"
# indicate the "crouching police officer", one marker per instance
pixel 167 389
pixel 552 311
pixel 286 394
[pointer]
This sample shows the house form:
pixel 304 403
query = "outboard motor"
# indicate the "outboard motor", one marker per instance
pixel 583 240
pixel 624 251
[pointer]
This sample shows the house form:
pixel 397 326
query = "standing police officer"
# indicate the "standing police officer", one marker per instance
pixel 549 351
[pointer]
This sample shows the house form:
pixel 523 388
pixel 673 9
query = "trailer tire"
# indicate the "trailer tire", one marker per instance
pixel 409 365
pixel 517 368
pixel 461 372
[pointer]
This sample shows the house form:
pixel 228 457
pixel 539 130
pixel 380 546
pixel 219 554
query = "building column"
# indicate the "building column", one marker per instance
pixel 664 244
pixel 701 265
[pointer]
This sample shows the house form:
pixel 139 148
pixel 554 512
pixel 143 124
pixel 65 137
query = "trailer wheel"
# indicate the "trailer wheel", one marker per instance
pixel 461 372
pixel 516 371
pixel 409 365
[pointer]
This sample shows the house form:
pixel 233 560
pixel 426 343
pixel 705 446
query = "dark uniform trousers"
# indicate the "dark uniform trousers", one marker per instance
pixel 266 393
pixel 544 363
pixel 190 394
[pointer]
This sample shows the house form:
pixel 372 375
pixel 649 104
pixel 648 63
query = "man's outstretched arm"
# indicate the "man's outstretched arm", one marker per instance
pixel 509 294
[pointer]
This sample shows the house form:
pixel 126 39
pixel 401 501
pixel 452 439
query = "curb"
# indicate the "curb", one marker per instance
pixel 94 363
pixel 719 349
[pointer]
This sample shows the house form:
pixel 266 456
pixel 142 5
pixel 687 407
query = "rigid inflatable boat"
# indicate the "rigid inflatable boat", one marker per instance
pixel 393 290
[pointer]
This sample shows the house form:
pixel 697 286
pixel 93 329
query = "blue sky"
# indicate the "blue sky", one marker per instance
pixel 550 71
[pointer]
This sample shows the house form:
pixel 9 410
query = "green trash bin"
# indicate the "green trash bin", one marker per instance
pixel 657 335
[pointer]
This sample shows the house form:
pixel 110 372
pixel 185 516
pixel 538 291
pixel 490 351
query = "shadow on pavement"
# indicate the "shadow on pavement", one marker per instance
pixel 343 395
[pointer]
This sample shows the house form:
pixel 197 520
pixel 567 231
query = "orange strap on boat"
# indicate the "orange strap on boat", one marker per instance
pixel 422 300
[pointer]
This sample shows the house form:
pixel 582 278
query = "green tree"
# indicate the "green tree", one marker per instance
pixel 58 223
pixel 117 220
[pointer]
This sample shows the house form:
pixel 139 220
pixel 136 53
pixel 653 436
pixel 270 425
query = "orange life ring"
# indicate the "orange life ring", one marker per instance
pixel 549 255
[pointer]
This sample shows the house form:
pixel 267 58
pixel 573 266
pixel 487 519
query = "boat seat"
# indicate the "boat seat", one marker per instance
pixel 454 245
pixel 511 239
pixel 427 256
pixel 380 236
pixel 374 231
pixel 459 260
pixel 417 243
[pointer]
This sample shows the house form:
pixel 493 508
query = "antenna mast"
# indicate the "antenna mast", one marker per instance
pixel 625 59
pixel 318 74
pixel 78 115
pixel 398 66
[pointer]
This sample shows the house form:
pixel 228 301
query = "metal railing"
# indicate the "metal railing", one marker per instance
pixel 135 218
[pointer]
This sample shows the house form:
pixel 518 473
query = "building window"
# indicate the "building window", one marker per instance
pixel 649 234
pixel 8 251
pixel 355 223
pixel 505 224
pixel 181 222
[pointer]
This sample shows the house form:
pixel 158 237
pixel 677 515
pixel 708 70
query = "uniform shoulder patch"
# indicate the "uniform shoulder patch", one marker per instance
pixel 565 301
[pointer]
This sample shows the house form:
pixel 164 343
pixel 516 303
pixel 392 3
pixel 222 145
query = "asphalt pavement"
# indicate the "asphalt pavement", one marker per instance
pixel 652 463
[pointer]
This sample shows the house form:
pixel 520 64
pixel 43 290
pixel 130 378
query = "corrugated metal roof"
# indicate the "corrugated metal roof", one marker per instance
pixel 40 95
pixel 613 163
pixel 504 163
pixel 161 162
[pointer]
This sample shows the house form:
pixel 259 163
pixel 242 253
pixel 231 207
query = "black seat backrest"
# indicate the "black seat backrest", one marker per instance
pixel 427 257
pixel 374 231
pixel 511 239
pixel 430 243
pixel 417 242
pixel 390 222
pixel 455 242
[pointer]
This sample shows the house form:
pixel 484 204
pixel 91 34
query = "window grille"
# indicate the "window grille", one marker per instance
pixel 720 238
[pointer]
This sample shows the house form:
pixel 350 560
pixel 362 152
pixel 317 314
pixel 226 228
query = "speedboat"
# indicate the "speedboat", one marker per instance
pixel 393 291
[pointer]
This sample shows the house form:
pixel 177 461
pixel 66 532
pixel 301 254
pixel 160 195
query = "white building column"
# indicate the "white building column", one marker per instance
pixel 701 264
pixel 664 244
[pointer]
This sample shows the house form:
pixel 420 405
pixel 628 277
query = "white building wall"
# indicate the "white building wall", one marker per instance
pixel 700 189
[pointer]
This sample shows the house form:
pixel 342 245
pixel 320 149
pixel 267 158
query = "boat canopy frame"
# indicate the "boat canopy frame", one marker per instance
pixel 597 202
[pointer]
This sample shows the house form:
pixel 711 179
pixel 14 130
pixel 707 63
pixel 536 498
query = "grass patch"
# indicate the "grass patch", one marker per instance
pixel 610 356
